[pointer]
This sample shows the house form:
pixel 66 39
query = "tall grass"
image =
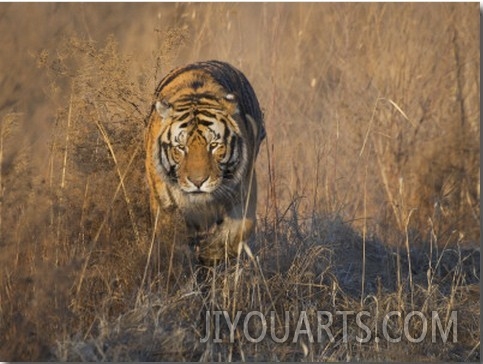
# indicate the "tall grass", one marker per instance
pixel 368 189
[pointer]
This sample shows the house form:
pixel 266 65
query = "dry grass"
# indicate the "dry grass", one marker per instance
pixel 368 180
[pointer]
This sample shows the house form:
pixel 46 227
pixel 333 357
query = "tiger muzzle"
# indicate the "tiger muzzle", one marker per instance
pixel 198 179
pixel 197 166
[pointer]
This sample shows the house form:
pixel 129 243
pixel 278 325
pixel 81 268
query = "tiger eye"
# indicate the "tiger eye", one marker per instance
pixel 220 151
pixel 178 152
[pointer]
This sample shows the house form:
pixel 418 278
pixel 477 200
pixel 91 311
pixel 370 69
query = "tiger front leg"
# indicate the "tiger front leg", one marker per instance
pixel 225 239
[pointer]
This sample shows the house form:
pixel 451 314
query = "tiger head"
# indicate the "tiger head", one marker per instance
pixel 200 148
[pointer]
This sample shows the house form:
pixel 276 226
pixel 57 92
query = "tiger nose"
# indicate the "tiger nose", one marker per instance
pixel 198 180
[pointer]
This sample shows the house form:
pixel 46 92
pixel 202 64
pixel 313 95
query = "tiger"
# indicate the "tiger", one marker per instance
pixel 203 136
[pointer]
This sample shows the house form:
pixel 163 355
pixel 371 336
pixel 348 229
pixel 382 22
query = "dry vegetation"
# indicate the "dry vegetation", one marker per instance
pixel 368 180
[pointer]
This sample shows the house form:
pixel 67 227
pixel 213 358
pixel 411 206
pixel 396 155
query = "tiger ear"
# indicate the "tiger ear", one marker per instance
pixel 230 97
pixel 231 103
pixel 163 108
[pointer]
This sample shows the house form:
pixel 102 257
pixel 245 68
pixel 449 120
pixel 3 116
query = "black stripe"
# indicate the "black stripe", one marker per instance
pixel 197 98
pixel 182 117
pixel 205 122
pixel 233 146
pixel 223 121
pixel 206 113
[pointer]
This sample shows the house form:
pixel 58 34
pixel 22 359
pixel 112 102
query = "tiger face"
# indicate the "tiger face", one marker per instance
pixel 200 150
pixel 203 137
